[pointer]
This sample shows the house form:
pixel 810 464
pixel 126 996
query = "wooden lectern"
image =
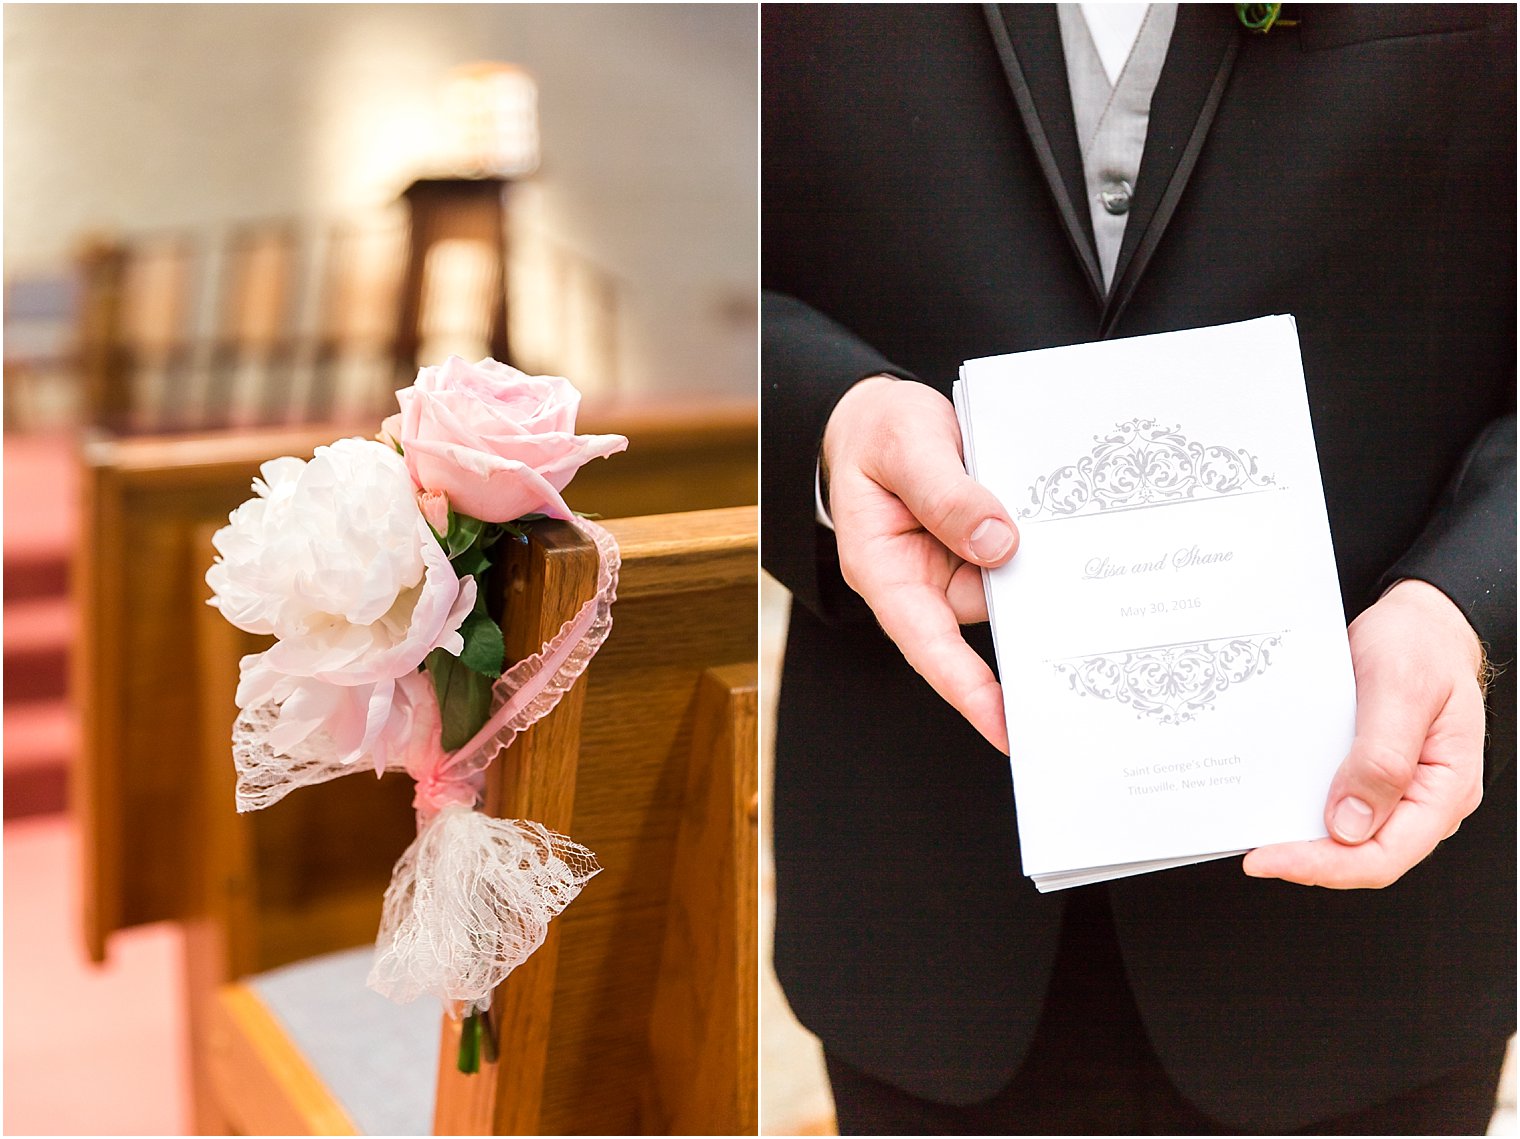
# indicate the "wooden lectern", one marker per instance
pixel 454 288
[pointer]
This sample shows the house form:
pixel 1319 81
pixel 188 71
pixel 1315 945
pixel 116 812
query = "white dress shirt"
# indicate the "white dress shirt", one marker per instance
pixel 1114 29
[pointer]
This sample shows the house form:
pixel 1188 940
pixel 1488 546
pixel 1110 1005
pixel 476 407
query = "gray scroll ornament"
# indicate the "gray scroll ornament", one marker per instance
pixel 1171 684
pixel 1143 463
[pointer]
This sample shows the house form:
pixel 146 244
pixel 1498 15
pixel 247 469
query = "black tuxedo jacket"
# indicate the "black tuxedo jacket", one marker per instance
pixel 923 205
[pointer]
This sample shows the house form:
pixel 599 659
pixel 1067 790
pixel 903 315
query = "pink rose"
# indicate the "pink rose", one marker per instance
pixel 435 508
pixel 499 443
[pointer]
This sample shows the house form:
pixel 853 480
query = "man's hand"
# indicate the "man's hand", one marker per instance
pixel 1415 769
pixel 913 532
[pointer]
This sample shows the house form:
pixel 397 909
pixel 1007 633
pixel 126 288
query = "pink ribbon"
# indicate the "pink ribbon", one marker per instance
pixel 524 694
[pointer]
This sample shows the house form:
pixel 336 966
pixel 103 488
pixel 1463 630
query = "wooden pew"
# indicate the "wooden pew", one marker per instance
pixel 149 369
pixel 133 674
pixel 303 877
pixel 637 1015
pixel 705 1020
pixel 136 326
pixel 354 347
pixel 136 585
pixel 253 350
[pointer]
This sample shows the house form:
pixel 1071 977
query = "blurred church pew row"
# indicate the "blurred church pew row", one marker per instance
pixel 274 322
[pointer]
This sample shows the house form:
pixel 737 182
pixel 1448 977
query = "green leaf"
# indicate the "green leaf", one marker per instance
pixel 513 531
pixel 463 530
pixel 484 649
pixel 464 697
pixel 472 561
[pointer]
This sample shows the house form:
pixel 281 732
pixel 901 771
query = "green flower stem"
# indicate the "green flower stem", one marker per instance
pixel 463 684
pixel 487 1037
pixel 469 1045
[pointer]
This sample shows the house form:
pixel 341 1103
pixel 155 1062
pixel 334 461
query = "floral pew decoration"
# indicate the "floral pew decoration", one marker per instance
pixel 365 563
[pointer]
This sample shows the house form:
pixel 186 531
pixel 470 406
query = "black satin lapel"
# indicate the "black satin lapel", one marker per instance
pixel 1192 81
pixel 1036 72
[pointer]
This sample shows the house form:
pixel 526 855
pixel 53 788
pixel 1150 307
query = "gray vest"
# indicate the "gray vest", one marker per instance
pixel 1112 118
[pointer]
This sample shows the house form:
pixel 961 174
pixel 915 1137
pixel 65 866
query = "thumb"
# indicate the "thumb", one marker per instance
pixel 964 515
pixel 1391 726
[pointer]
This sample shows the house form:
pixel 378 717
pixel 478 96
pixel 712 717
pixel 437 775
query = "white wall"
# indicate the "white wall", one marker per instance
pixel 132 118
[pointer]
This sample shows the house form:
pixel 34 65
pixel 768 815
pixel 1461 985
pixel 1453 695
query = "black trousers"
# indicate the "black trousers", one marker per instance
pixel 1091 1070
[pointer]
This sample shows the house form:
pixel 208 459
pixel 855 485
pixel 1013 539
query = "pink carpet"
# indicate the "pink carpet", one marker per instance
pixel 88 1051
pixel 41 492
pixel 41 531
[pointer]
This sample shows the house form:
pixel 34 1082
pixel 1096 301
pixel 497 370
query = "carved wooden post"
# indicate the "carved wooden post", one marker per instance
pixel 543 583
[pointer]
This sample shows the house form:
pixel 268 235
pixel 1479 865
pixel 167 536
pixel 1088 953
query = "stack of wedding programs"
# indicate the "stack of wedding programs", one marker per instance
pixel 1170 636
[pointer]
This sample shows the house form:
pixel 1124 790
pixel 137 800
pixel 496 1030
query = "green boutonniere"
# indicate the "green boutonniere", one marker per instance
pixel 1261 17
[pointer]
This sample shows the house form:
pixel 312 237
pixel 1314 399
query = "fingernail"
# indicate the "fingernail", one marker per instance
pixel 1352 821
pixel 991 540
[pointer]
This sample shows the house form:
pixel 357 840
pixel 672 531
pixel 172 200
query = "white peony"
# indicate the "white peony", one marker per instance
pixel 335 559
pixel 334 725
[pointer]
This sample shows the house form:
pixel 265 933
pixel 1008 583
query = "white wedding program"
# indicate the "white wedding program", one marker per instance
pixel 1170 636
